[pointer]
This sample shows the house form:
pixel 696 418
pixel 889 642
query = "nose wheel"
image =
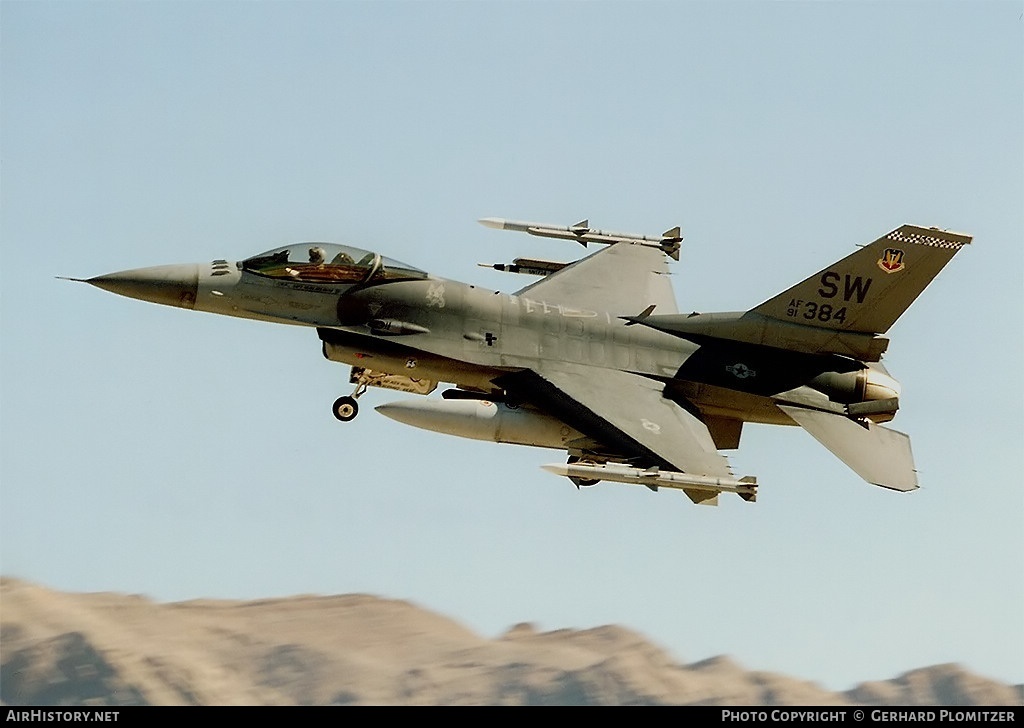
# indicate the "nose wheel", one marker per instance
pixel 345 408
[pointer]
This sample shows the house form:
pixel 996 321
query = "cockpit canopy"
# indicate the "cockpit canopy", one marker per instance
pixel 329 263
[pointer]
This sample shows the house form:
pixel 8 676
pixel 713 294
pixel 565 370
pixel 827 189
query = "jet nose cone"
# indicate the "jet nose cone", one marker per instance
pixel 170 285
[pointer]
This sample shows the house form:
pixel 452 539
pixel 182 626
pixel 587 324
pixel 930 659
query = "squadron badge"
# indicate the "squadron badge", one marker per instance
pixel 891 260
pixel 435 295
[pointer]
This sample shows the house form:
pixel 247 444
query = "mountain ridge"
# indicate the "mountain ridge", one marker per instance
pixel 106 648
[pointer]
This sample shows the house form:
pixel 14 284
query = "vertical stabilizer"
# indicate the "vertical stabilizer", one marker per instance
pixel 868 290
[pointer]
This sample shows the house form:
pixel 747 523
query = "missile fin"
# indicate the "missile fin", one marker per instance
pixel 702 497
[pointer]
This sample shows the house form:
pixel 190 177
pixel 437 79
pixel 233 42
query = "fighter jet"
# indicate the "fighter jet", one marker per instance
pixel 594 358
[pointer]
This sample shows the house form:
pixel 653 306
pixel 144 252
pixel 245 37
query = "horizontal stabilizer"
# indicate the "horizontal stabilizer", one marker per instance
pixel 879 455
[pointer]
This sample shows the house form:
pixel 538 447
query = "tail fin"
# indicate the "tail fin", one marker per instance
pixel 868 290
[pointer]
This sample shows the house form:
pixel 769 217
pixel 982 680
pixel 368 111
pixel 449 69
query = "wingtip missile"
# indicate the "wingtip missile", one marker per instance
pixel 582 233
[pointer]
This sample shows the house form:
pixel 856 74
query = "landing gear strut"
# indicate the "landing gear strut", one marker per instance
pixel 346 408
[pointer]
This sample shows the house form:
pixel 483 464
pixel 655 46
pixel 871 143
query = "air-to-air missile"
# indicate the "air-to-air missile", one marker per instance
pixel 704 486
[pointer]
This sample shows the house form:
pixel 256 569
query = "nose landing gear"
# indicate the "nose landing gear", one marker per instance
pixel 346 408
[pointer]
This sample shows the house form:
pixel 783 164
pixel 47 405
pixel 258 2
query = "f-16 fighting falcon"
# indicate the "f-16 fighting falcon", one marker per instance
pixel 594 358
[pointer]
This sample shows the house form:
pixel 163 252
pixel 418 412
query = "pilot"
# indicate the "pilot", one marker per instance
pixel 343 258
pixel 316 255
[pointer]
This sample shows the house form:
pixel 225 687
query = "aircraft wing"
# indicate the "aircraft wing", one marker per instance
pixel 621 278
pixel 624 411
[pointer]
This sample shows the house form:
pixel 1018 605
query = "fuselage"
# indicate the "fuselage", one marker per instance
pixel 490 331
pixel 466 335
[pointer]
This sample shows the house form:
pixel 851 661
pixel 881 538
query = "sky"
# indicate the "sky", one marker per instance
pixel 175 454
